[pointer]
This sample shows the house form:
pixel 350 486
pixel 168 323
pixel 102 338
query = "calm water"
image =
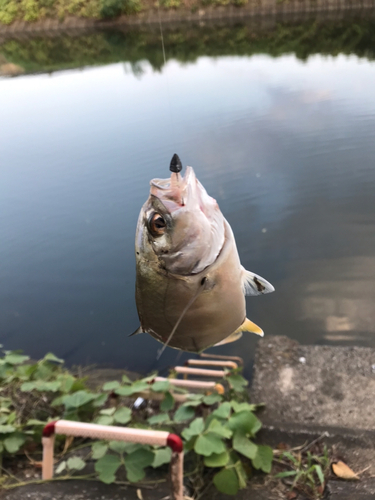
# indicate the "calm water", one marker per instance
pixel 286 146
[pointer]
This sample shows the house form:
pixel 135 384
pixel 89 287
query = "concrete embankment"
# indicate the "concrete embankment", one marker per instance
pixel 325 392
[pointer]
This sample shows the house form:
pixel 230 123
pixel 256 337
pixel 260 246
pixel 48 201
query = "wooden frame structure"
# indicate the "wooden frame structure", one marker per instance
pixel 127 434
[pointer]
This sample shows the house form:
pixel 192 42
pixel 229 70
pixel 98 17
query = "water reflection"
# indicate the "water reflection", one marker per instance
pixel 286 147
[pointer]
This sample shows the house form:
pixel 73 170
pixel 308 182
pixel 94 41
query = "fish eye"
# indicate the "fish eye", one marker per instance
pixel 157 225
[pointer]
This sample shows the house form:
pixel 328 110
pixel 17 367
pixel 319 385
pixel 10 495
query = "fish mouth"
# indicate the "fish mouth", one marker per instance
pixel 176 191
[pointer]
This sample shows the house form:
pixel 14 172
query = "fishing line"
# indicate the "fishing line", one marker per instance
pixel 200 289
pixel 171 123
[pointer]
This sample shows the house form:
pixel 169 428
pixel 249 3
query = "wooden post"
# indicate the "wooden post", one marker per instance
pixel 47 464
pixel 177 475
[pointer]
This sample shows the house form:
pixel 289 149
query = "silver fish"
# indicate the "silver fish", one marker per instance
pixel 190 285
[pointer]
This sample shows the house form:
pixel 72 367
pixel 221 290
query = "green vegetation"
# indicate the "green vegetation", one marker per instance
pixel 37 54
pixel 218 430
pixel 35 10
pixel 307 470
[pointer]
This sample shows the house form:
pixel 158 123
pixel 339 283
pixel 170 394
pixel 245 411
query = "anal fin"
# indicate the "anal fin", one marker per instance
pixel 232 338
pixel 247 326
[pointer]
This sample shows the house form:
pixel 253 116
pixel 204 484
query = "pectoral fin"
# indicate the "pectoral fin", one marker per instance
pixel 138 330
pixel 252 284
pixel 247 326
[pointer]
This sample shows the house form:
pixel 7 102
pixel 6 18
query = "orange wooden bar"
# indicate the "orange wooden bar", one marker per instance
pixel 199 372
pixel 221 356
pixel 202 362
pixel 193 384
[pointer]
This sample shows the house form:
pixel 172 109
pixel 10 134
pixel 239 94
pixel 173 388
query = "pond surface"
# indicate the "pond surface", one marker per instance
pixel 285 144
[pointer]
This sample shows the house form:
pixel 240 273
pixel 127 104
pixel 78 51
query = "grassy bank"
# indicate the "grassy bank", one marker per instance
pixel 218 428
pixel 46 54
pixel 35 10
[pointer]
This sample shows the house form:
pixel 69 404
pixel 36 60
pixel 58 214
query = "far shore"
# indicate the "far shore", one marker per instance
pixel 188 12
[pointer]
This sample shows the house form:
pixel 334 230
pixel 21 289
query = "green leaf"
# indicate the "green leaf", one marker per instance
pixel 286 473
pixel 183 414
pixel 137 386
pixel 126 379
pixel 162 456
pixel 136 462
pixel 111 386
pixel 241 474
pixel 13 443
pixel 212 399
pixel 108 411
pixel 245 421
pixel 218 428
pixel 61 467
pixel 217 459
pixel 78 399
pixel 15 359
pixel 6 429
pixel 195 397
pixel 209 443
pixel 195 428
pixel 99 449
pixel 100 400
pixel 320 474
pixel 76 463
pixel 51 357
pixel 119 446
pixel 12 417
pixel 263 459
pixel 107 467
pixel 131 447
pixel 193 403
pixel 123 415
pixel 238 407
pixel 158 419
pixel 237 382
pixel 104 420
pixel 243 445
pixel 167 403
pixel 290 457
pixel 162 386
pixel 41 385
pixel 66 382
pixel 223 411
pixel 226 481
pixel 57 401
